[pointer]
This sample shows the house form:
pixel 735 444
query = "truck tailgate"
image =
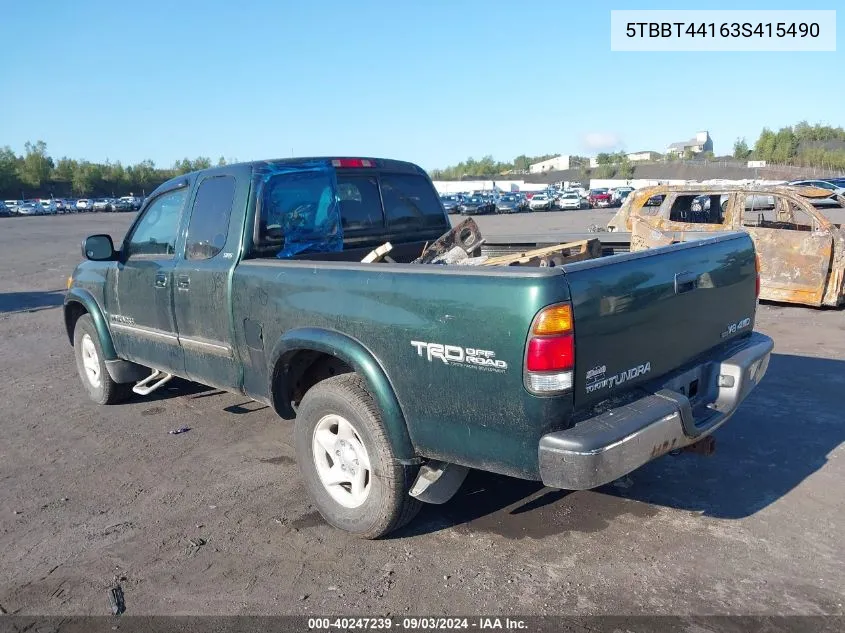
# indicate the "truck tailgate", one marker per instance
pixel 640 315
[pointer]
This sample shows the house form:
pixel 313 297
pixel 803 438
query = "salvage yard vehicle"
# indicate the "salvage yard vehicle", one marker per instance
pixel 508 203
pixel 569 200
pixel 802 253
pixel 599 198
pixel 451 203
pixel 262 279
pixel 477 205
pixel 540 202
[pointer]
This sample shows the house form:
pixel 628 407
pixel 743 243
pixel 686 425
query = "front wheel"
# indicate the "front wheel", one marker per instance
pixel 347 460
pixel 91 365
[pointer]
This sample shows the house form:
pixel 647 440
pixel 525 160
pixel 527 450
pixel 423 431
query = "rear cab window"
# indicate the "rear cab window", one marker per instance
pixel 298 210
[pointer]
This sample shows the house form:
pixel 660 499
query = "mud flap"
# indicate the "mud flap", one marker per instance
pixel 437 482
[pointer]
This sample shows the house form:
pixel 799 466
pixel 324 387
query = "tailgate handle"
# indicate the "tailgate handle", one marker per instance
pixel 685 282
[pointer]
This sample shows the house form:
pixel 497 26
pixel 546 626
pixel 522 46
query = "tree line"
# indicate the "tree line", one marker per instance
pixel 802 144
pixel 35 174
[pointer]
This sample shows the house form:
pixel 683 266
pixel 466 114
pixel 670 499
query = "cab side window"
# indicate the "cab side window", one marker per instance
pixel 209 224
pixel 156 231
pixel 698 209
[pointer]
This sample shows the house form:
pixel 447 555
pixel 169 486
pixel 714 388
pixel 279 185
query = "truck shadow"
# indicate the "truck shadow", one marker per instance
pixel 30 301
pixel 782 434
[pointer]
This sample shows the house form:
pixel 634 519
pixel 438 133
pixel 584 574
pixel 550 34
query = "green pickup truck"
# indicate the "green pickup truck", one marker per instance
pixel 400 375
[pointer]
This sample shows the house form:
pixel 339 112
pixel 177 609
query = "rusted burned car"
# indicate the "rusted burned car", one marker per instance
pixel 802 253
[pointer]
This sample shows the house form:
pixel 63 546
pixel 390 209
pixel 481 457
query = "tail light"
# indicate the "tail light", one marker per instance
pixel 550 352
pixel 757 267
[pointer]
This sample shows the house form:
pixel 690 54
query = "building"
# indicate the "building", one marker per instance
pixel 698 145
pixel 558 163
pixel 639 157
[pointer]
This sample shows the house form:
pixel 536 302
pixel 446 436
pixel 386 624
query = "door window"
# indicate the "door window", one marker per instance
pixel 156 231
pixel 776 212
pixel 209 225
pixel 699 209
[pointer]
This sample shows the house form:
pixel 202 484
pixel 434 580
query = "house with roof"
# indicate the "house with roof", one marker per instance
pixel 699 144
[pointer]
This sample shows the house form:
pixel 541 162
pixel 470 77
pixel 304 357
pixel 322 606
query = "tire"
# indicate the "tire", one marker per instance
pixel 91 365
pixel 382 504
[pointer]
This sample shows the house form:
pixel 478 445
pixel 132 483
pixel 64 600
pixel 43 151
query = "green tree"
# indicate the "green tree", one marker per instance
pixel 688 155
pixel 603 158
pixel 8 170
pixel 764 148
pixel 82 182
pixel 626 169
pixel 221 162
pixel 741 151
pixel 36 165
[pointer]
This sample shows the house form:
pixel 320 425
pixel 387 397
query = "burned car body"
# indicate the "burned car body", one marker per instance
pixel 801 252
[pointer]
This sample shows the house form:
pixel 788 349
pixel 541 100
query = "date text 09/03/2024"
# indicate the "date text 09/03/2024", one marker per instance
pixel 416 623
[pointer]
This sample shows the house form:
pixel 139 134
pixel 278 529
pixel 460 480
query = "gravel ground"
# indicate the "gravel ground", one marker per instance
pixel 89 494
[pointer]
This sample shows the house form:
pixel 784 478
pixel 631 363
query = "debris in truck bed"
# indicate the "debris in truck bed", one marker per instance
pixel 465 237
pixel 550 256
pixel 377 254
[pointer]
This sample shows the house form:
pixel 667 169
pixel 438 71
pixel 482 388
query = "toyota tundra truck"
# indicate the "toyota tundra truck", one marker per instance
pixel 400 376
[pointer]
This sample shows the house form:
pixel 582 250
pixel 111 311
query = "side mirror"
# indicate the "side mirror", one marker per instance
pixel 98 248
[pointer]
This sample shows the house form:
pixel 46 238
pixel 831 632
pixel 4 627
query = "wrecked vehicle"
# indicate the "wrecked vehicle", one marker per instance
pixel 802 253
pixel 292 282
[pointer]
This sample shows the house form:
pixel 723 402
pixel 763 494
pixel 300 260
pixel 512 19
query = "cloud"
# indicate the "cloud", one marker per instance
pixel 600 141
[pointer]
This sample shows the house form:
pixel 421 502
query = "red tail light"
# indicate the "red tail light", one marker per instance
pixel 553 353
pixel 757 266
pixel 352 162
pixel 550 352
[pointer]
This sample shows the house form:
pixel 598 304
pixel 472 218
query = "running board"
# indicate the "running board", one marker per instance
pixel 152 382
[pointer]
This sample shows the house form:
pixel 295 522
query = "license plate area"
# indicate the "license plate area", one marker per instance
pixel 700 386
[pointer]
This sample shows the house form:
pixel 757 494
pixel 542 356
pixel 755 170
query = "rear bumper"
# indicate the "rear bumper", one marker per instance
pixel 603 448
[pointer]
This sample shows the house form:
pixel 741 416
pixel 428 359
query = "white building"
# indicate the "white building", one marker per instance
pixel 698 145
pixel 558 163
pixel 637 157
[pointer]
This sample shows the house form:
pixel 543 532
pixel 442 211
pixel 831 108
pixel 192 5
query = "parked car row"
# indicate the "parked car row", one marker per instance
pixel 571 198
pixel 56 206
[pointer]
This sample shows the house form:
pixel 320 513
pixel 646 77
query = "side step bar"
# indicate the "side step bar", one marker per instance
pixel 152 382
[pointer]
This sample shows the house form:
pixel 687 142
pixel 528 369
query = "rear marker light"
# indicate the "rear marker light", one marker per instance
pixel 757 267
pixel 554 320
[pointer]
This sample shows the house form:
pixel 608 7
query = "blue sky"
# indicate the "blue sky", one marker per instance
pixel 432 82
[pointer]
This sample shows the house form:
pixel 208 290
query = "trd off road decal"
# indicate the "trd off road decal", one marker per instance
pixel 456 355
pixel 600 381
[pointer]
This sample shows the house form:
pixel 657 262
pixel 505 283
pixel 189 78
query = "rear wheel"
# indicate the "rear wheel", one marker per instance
pixel 91 365
pixel 347 460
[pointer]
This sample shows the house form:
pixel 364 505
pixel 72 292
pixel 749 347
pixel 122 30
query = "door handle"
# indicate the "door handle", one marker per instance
pixel 161 280
pixel 183 282
pixel 685 282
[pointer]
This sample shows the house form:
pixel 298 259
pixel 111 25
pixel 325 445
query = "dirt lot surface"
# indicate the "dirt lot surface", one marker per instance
pixel 91 493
